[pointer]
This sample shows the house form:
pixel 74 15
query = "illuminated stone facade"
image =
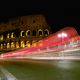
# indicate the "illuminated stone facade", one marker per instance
pixel 23 31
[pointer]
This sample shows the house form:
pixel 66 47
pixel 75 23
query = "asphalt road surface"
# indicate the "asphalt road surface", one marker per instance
pixel 44 69
pixel 40 70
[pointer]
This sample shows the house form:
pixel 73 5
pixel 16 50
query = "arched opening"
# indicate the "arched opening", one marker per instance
pixel 12 45
pixel 17 44
pixel 40 43
pixel 12 35
pixel 46 32
pixel 40 32
pixel 33 43
pixel 8 35
pixel 22 33
pixel 22 44
pixel 1 37
pixel 4 46
pixel 34 33
pixel 1 46
pixel 28 44
pixel 8 45
pixel 28 33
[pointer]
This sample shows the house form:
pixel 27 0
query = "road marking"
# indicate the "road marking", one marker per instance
pixel 56 58
pixel 70 50
pixel 7 74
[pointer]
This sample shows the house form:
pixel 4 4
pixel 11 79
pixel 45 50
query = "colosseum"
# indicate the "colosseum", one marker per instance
pixel 23 31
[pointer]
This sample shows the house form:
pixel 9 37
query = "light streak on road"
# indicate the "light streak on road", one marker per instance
pixel 7 74
pixel 70 50
pixel 65 64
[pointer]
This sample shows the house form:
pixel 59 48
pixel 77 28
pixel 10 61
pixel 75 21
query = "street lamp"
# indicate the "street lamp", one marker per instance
pixel 62 36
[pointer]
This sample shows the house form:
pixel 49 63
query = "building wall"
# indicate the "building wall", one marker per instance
pixel 23 31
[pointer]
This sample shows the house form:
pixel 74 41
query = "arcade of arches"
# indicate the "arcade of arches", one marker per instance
pixel 22 32
pixel 23 43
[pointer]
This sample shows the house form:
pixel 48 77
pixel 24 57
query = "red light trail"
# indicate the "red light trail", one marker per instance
pixel 53 42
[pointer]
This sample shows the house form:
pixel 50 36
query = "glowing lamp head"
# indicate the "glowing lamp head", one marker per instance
pixel 61 35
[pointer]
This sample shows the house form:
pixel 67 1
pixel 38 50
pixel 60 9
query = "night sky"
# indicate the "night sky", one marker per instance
pixel 57 18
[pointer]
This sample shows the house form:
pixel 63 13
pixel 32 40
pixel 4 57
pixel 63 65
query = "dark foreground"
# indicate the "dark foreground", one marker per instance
pixel 43 70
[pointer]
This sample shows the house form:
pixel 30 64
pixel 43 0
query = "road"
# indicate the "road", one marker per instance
pixel 62 69
pixel 43 70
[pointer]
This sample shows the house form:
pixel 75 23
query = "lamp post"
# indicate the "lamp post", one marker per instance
pixel 62 36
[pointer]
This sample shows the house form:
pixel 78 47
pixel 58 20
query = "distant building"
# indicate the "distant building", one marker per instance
pixel 23 32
